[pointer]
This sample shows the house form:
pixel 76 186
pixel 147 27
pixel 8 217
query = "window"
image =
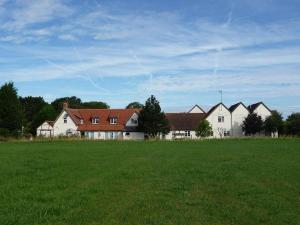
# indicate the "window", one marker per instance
pixel 134 121
pixel 113 120
pixel 95 120
pixel 65 118
pixel 81 121
pixel 187 133
pixel 221 119
pixel 226 133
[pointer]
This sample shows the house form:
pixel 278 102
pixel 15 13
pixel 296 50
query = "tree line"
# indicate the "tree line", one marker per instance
pixel 22 115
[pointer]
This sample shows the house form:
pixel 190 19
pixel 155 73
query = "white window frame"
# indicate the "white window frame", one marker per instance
pixel 95 120
pixel 113 120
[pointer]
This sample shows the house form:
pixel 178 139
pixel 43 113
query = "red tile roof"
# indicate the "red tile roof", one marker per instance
pixel 122 115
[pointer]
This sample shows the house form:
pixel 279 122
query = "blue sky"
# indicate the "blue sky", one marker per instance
pixel 183 52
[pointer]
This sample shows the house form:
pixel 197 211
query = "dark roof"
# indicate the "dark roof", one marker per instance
pixel 214 107
pixel 197 107
pixel 51 123
pixel 255 105
pixel 233 107
pixel 184 121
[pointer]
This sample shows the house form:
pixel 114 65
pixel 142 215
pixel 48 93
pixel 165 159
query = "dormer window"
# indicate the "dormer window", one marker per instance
pixel 113 120
pixel 81 121
pixel 95 120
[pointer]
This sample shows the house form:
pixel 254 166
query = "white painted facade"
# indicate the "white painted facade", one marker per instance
pixel 220 121
pixel 238 116
pixel 45 130
pixel 65 126
pixel 180 134
pixel 262 111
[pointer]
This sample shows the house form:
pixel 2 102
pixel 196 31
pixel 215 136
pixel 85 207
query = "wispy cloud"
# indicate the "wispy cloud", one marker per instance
pixel 158 50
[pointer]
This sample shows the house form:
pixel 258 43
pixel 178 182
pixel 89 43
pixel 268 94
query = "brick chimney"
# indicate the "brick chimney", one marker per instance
pixel 65 105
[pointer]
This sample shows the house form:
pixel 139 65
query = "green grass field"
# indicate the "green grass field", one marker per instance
pixel 160 183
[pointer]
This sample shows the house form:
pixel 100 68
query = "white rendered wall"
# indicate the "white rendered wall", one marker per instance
pixel 238 116
pixel 61 128
pixel 217 127
pixel 262 111
pixel 44 130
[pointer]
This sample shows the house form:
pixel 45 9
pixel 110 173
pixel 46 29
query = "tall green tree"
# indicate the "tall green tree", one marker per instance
pixel 31 106
pixel 10 110
pixel 252 124
pixel 46 113
pixel 152 120
pixel 134 105
pixel 204 129
pixel 274 123
pixel 73 102
pixel 293 124
pixel 94 105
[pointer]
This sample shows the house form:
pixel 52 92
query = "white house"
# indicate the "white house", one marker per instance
pixel 45 130
pixel 238 114
pixel 264 112
pixel 219 118
pixel 98 123
pixel 260 109
pixel 183 125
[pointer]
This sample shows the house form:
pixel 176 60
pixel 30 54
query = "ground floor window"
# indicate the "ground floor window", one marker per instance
pixel 187 133
pixel 226 133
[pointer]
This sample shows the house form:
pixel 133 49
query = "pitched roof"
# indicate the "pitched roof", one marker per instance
pixel 184 121
pixel 233 107
pixel 123 115
pixel 196 106
pixel 255 105
pixel 51 123
pixel 214 107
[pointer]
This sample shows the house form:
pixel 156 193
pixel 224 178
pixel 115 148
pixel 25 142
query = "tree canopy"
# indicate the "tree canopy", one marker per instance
pixel 274 123
pixel 293 124
pixel 10 111
pixel 31 106
pixel 204 129
pixel 152 120
pixel 46 113
pixel 134 105
pixel 73 102
pixel 252 124
pixel 94 105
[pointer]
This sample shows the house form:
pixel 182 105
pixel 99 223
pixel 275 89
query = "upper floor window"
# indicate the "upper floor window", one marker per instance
pixel 65 118
pixel 81 121
pixel 113 120
pixel 95 120
pixel 220 119
pixel 134 121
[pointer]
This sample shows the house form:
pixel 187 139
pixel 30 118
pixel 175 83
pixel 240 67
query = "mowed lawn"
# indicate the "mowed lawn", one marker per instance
pixel 160 183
